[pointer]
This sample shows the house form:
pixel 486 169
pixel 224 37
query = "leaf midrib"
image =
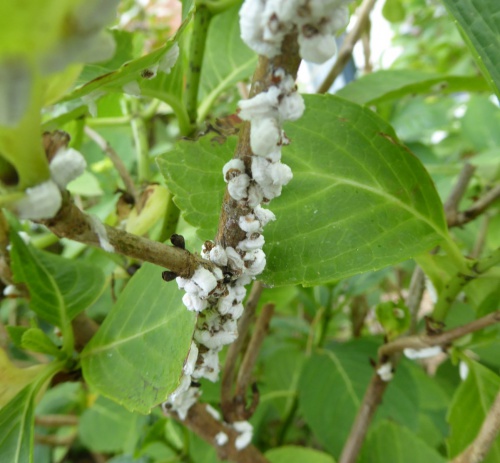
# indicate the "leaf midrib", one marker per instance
pixel 100 349
pixel 345 377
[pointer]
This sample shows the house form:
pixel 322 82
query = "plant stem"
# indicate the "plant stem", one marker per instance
pixel 485 264
pixel 476 209
pixel 70 222
pixel 481 445
pixel 202 18
pixel 481 237
pixel 350 40
pixel 108 121
pixel 415 294
pixel 202 423
pixel 371 400
pixel 246 369
pixel 177 106
pixel 234 351
pixel 453 201
pixel 55 440
pixel 443 339
pixel 141 142
pixel 457 283
pixel 288 421
pixel 229 233
pixel 115 159
pixel 325 322
pixel 56 420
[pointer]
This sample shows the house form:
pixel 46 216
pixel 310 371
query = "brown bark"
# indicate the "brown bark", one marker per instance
pixel 70 222
pixel 229 233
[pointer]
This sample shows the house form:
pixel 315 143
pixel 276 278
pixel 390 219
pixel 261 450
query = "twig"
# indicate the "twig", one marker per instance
pixel 376 388
pixel 347 47
pixel 415 293
pixel 70 222
pixel 115 159
pixel 359 311
pixel 313 329
pixel 371 400
pixel 481 237
pixel 481 445
pixel 459 281
pixel 141 144
pixel 5 271
pixel 477 208
pixel 229 232
pixel 201 422
pixel 235 349
pixel 54 440
pixel 202 19
pixel 365 41
pixel 443 339
pixel 247 365
pixel 453 201
pixel 56 420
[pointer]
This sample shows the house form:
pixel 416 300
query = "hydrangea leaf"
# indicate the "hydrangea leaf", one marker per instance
pixel 227 59
pixel 109 428
pixel 17 415
pixel 359 200
pixel 137 355
pixel 16 428
pixel 120 73
pixel 60 288
pixel 478 22
pixel 470 404
pixel 391 443
pixel 35 340
pixel 331 390
pixel 296 454
pixel 193 172
pixel 14 379
pixel 388 85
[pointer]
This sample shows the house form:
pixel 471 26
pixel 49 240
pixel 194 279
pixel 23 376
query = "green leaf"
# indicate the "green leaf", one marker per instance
pixel 59 288
pixel 107 427
pixel 16 428
pixel 480 124
pixel 390 443
pixel 332 386
pixel 359 201
pixel 470 404
pixel 227 59
pixel 124 52
pixel 17 415
pixel 296 454
pixel 281 370
pixel 388 85
pixel 125 72
pixel 16 334
pixel 193 172
pixel 14 379
pixel 36 340
pixel 478 21
pixel 137 355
